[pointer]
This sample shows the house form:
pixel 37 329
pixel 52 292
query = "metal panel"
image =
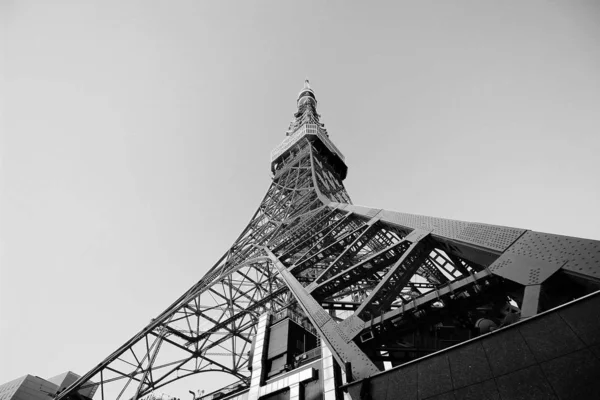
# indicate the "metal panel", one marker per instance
pixel 278 342
pixel 535 256
pixel 352 326
pixel 489 236
pixel 524 270
pixel 497 238
pixel 582 256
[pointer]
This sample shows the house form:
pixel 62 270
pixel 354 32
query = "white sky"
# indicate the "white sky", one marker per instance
pixel 135 140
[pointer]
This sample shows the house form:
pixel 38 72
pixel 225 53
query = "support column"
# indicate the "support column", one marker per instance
pixel 295 391
pixel 531 301
pixel 328 373
pixel 260 346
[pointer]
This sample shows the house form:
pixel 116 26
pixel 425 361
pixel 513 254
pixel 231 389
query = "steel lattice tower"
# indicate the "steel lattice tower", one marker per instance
pixel 366 280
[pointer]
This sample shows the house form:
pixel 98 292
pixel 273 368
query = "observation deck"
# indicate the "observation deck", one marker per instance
pixel 315 134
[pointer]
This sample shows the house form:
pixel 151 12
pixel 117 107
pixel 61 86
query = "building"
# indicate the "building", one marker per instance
pixel 31 387
pixel 66 379
pixel 319 298
pixel 27 387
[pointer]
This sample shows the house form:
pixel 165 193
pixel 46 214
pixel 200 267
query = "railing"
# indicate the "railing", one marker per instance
pixel 309 356
pixel 287 313
pixel 306 129
pixel 225 391
pixel 297 318
pixel 287 143
pixel 162 396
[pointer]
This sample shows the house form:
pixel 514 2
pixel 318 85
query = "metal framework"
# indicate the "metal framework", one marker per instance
pixel 374 283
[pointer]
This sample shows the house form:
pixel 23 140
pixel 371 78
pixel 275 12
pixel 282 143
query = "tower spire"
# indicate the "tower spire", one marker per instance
pixel 307 110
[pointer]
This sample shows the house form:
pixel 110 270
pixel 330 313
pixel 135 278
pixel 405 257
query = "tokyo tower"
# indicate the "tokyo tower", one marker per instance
pixel 319 298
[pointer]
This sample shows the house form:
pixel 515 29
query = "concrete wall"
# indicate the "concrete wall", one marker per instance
pixel 554 355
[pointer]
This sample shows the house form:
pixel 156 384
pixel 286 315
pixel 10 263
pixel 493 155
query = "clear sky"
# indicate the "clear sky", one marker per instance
pixel 135 139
